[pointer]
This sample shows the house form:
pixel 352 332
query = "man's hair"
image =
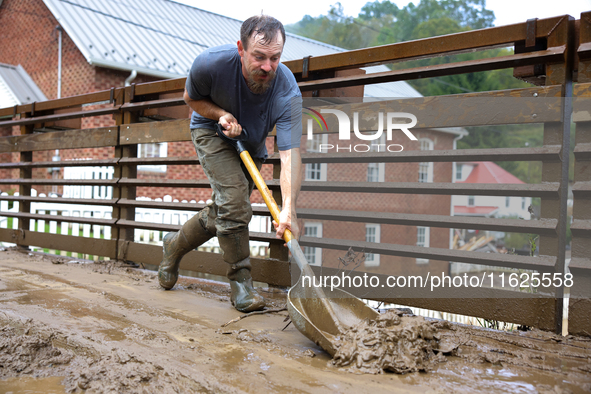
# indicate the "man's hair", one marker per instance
pixel 265 25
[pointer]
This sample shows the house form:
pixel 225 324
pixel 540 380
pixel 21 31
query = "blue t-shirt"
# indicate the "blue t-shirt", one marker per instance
pixel 217 74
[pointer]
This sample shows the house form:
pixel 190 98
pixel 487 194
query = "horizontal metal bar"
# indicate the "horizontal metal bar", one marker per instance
pixel 580 263
pixel 66 163
pixel 581 90
pixel 497 154
pixel 138 106
pixel 60 116
pixel 79 182
pixel 149 132
pixel 550 55
pixel 60 218
pixel 193 160
pixel 584 51
pixel 581 228
pixel 196 183
pixel 124 223
pixel 68 139
pixel 513 106
pixel 90 246
pixel 545 263
pixel 545 227
pixel 582 189
pixel 470 41
pixel 61 200
pixel 66 102
pixel 583 151
pixel 546 190
pixel 181 160
pixel 181 206
pixel 166 86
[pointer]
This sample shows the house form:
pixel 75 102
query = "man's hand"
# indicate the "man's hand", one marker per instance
pixel 208 109
pixel 287 220
pixel 230 125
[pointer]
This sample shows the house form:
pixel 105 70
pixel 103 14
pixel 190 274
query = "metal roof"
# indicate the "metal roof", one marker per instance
pixel 17 87
pixel 162 38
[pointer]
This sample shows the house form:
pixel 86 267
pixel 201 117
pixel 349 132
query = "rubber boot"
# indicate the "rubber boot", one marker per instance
pixel 176 245
pixel 236 253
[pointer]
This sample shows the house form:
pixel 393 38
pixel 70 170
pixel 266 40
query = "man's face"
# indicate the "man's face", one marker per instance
pixel 260 61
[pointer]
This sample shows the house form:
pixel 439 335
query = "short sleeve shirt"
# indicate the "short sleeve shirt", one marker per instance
pixel 217 74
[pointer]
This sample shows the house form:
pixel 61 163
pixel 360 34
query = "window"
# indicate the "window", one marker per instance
pixel 316 171
pixel 470 201
pixel 423 234
pixel 458 172
pixel 507 202
pixel 313 255
pixel 523 203
pixel 426 168
pixel 372 234
pixel 159 149
pixel 376 171
pixel 373 172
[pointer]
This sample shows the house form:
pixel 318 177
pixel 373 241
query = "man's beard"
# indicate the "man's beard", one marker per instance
pixel 260 87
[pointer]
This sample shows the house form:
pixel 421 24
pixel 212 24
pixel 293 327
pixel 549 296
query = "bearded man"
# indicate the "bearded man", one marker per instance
pixel 243 86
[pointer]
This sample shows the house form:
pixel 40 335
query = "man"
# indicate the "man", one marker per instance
pixel 239 87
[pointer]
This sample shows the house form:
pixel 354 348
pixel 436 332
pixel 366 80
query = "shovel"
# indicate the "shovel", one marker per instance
pixel 322 315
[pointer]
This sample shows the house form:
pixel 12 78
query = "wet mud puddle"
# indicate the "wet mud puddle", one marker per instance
pixel 27 385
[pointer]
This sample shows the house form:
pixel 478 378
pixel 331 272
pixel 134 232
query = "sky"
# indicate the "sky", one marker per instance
pixel 506 11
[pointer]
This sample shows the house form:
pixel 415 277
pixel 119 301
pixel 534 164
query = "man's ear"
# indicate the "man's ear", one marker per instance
pixel 240 48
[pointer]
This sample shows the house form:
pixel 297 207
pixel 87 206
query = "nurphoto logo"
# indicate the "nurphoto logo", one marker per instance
pixel 392 123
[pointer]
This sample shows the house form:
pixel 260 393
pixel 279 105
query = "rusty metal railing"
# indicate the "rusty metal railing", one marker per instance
pixel 547 51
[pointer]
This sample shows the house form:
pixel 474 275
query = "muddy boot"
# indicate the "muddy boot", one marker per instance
pixel 236 253
pixel 176 245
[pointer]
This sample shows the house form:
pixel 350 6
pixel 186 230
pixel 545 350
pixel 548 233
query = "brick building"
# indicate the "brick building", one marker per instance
pixel 104 46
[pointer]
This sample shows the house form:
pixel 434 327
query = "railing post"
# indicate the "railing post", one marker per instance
pixel 579 316
pixel 558 133
pixel 24 190
pixel 124 236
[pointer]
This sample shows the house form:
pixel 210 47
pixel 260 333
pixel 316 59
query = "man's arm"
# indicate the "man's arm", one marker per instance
pixel 290 180
pixel 208 109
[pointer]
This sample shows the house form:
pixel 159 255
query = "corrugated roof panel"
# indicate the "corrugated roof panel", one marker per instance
pixel 7 97
pixel 17 87
pixel 130 34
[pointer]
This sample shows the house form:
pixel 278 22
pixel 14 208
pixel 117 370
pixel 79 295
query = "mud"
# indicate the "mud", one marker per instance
pixel 109 328
pixel 392 342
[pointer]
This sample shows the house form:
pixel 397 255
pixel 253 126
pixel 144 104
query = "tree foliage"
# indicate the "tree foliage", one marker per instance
pixel 383 22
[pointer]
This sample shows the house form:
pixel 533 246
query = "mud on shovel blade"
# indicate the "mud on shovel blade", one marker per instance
pixel 320 314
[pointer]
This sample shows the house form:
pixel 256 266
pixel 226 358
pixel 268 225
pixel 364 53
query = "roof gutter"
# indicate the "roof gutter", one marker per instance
pixel 131 77
pixel 139 70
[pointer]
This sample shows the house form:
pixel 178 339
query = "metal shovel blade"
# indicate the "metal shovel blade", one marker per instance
pixel 309 314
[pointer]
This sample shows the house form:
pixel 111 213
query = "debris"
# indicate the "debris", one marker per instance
pixel 253 313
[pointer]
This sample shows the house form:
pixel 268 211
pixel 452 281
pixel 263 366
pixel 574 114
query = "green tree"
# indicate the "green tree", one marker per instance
pixel 335 28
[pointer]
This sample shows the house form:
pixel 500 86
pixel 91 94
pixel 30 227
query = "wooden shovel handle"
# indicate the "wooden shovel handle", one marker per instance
pixel 264 190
